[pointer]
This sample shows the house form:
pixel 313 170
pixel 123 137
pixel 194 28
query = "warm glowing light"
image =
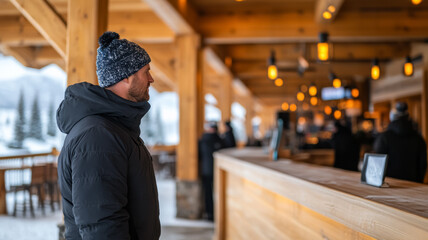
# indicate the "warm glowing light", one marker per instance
pixel 293 107
pixel 314 101
pixel 375 72
pixel 408 69
pixel 301 121
pixel 305 106
pixel 337 83
pixel 313 90
pixel 416 2
pixel 272 72
pixel 279 82
pixel 337 114
pixel 300 96
pixel 322 51
pixel 355 93
pixel 327 110
pixel 331 8
pixel 326 15
pixel 304 88
pixel 239 0
pixel 284 106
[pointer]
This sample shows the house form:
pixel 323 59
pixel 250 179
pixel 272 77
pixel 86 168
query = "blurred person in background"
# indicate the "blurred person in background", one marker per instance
pixel 228 136
pixel 346 148
pixel 209 143
pixel 406 148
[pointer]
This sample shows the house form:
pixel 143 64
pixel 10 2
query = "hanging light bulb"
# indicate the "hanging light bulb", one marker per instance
pixel 326 15
pixel 416 2
pixel 313 90
pixel 314 101
pixel 300 96
pixel 323 47
pixel 355 92
pixel 408 67
pixel 336 82
pixel 327 110
pixel 279 82
pixel 375 72
pixel 293 107
pixel 337 114
pixel 272 69
pixel 284 106
pixel 331 8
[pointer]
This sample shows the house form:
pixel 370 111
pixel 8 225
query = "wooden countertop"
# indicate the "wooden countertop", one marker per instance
pixel 336 193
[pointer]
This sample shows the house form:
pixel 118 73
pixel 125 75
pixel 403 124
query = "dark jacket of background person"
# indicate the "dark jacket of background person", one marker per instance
pixel 228 137
pixel 346 149
pixel 406 150
pixel 208 144
pixel 105 172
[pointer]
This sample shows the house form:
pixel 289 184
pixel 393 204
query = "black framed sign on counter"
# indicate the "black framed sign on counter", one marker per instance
pixel 374 169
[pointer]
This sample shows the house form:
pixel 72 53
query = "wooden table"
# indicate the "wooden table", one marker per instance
pixel 260 199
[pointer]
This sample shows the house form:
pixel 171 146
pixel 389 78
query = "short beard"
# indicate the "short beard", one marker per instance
pixel 137 95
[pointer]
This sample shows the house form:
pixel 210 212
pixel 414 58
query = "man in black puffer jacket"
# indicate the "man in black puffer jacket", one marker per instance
pixel 406 149
pixel 105 172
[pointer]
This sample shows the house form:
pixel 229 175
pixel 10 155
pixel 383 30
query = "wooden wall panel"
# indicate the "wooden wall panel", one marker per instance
pixel 254 214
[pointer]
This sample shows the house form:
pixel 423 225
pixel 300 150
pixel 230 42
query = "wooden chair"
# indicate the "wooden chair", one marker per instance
pixel 38 179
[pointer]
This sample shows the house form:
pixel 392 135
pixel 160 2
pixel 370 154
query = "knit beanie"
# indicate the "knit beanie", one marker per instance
pixel 118 59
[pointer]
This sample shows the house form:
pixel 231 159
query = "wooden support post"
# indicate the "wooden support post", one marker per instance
pixel 187 151
pixel 3 209
pixel 249 107
pixel 87 20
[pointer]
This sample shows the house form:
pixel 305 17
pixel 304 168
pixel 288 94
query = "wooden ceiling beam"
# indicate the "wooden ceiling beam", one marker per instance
pixel 322 6
pixel 354 26
pixel 46 20
pixel 7 9
pixel 180 16
pixel 143 27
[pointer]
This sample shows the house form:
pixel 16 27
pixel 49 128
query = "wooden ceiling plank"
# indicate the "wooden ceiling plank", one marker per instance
pixel 44 18
pixel 299 27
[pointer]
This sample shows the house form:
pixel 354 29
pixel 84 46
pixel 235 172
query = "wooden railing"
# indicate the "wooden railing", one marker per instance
pixel 16 168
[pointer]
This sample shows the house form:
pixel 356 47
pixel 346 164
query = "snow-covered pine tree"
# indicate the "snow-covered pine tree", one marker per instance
pixel 35 130
pixel 19 124
pixel 51 122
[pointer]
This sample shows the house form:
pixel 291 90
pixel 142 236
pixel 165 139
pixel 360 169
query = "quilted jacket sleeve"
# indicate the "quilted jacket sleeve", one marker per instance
pixel 99 186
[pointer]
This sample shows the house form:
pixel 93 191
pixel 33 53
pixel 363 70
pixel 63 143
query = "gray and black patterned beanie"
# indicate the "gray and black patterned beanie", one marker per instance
pixel 118 59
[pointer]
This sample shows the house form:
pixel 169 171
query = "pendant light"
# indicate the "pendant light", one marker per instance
pixel 408 67
pixel 322 47
pixel 375 71
pixel 313 90
pixel 336 82
pixel 272 69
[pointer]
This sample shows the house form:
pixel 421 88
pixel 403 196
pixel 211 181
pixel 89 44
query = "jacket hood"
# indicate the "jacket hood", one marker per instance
pixel 402 126
pixel 84 99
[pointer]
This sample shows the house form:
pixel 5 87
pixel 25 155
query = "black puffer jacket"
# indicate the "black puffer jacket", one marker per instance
pixel 406 149
pixel 105 171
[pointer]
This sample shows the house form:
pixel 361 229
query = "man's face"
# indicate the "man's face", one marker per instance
pixel 140 83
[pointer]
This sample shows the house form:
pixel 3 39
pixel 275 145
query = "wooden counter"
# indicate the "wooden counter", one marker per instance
pixel 260 199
